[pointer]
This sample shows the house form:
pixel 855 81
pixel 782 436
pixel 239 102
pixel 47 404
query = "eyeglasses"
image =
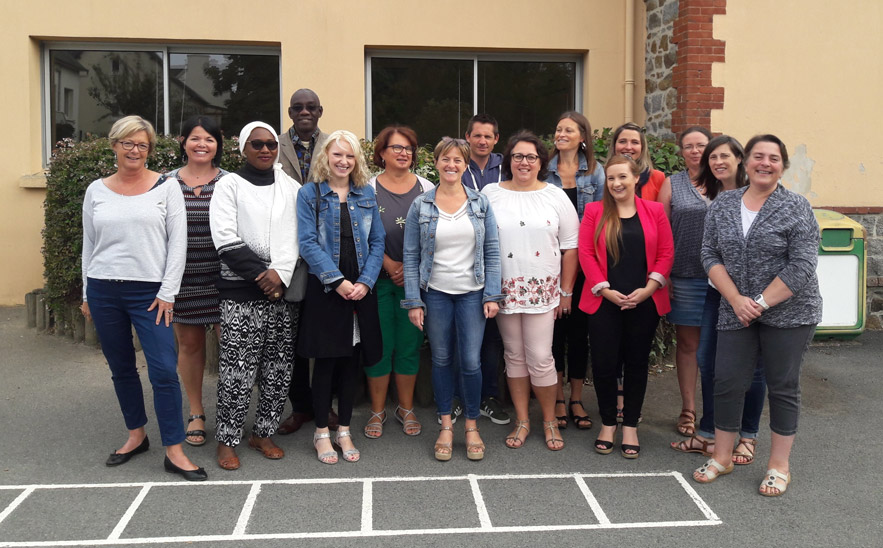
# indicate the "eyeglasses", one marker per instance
pixel 257 144
pixel 398 149
pixel 691 148
pixel 531 158
pixel 129 145
pixel 297 107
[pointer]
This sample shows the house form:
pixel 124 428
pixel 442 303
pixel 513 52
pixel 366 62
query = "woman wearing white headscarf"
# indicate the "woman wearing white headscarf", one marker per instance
pixel 254 227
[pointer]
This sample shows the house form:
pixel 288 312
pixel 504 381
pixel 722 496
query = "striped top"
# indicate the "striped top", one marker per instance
pixel 197 303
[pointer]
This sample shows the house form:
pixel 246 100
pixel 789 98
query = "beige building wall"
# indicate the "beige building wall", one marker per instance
pixel 322 45
pixel 809 72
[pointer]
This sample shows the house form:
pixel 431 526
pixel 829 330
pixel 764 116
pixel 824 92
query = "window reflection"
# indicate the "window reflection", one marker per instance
pixel 91 89
pixel 435 96
pixel 432 96
pixel 232 89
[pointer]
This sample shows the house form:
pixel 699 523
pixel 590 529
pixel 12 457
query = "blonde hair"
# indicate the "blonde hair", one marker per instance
pixel 610 221
pixel 447 144
pixel 130 125
pixel 321 168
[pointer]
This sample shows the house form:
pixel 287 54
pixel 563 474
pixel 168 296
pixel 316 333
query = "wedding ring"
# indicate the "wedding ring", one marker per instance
pixel 276 295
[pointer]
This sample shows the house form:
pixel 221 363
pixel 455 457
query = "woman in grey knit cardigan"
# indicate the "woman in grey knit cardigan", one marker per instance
pixel 760 250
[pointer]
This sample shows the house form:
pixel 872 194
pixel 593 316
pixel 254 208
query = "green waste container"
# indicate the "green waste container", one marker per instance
pixel 843 273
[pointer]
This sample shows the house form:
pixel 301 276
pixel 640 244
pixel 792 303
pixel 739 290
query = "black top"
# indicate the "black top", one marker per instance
pixel 630 272
pixel 572 194
pixel 255 176
pixel 349 263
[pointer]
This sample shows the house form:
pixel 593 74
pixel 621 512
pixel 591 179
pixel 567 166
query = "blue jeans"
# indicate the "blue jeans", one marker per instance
pixel 705 355
pixel 116 306
pixel 491 348
pixel 455 325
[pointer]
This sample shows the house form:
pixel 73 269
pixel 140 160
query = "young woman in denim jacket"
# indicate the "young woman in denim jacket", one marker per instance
pixel 569 170
pixel 341 240
pixel 452 284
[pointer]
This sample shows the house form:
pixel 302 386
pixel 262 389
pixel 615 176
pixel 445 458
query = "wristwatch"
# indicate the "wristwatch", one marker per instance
pixel 759 300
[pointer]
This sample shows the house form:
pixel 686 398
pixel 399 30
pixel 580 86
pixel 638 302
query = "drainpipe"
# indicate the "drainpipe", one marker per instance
pixel 629 84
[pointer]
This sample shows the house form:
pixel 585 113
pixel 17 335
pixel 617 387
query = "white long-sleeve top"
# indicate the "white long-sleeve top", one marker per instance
pixel 139 238
pixel 261 218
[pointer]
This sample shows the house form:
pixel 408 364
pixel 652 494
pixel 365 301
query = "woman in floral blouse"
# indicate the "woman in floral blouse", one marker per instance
pixel 538 241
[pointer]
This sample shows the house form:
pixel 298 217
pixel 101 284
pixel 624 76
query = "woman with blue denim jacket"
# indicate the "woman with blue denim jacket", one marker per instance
pixel 341 240
pixel 452 284
pixel 569 171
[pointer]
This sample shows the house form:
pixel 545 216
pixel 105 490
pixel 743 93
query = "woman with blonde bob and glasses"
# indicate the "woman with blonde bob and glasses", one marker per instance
pixel 341 238
pixel 538 239
pixel 134 251
pixel 626 252
pixel 452 285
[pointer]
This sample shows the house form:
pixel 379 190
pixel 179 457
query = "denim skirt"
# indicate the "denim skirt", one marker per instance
pixel 687 301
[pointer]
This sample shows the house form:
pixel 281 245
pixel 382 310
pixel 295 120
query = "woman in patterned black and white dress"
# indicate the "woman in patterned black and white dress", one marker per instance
pixel 254 227
pixel 196 305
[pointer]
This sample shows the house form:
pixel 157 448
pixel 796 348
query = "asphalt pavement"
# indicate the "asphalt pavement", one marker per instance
pixel 59 420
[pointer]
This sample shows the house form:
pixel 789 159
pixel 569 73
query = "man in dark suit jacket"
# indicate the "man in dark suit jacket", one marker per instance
pixel 297 147
pixel 304 138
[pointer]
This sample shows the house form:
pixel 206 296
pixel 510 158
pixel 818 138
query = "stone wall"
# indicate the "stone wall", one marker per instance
pixel 660 56
pixel 873 223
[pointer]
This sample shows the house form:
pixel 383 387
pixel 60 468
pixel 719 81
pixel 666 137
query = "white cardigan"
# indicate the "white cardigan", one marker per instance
pixel 238 215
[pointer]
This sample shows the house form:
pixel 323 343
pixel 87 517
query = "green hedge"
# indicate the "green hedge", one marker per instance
pixel 663 153
pixel 76 164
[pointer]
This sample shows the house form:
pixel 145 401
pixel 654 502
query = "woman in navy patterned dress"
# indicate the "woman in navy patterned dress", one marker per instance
pixel 196 306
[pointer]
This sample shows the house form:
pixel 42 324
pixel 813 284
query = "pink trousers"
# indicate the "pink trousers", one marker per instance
pixel 527 346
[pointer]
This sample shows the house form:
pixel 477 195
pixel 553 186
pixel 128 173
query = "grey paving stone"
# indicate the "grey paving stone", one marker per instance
pixel 293 508
pixel 513 502
pixel 170 511
pixel 642 499
pixel 67 514
pixel 424 505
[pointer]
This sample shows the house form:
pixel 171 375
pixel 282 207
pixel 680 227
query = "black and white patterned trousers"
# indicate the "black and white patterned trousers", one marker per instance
pixel 257 343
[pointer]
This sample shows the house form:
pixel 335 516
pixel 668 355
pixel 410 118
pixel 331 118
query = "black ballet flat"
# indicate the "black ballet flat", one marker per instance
pixel 116 459
pixel 627 447
pixel 606 447
pixel 189 475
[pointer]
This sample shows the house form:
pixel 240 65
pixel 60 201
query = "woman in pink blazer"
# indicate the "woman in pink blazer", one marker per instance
pixel 626 251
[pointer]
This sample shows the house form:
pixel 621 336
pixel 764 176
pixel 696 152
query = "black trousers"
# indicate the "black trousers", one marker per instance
pixel 570 340
pixel 341 374
pixel 621 337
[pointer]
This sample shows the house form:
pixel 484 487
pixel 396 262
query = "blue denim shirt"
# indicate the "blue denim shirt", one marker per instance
pixel 420 228
pixel 589 186
pixel 321 249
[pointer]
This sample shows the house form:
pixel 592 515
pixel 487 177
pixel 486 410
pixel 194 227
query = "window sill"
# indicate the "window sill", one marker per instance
pixel 37 180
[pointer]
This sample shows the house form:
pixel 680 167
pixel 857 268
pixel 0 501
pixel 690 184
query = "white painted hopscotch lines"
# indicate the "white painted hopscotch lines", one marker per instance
pixel 491 501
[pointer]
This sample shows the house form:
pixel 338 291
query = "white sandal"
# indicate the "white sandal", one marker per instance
pixel 408 423
pixel 349 455
pixel 373 430
pixel 711 470
pixel 328 457
pixel 773 476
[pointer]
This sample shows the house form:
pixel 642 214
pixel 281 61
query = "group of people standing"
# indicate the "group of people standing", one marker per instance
pixel 547 259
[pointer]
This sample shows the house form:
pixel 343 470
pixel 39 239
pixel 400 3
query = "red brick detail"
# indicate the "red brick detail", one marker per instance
pixel 697 50
pixel 860 210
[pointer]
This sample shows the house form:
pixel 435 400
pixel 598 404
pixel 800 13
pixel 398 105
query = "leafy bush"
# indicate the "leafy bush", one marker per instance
pixel 74 166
